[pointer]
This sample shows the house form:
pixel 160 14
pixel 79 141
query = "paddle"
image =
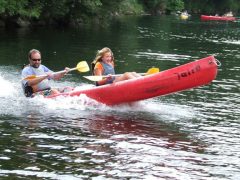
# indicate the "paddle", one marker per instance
pixel 81 67
pixel 99 78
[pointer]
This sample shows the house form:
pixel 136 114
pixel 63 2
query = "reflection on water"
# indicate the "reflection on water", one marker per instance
pixel 187 135
pixel 90 145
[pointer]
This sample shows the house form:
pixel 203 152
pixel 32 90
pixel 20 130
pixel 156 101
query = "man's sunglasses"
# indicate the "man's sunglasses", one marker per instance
pixel 36 60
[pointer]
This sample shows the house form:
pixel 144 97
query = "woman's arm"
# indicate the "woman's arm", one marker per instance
pixel 98 72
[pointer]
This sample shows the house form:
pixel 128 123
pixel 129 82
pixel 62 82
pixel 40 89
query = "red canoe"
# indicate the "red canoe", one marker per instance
pixel 180 78
pixel 217 18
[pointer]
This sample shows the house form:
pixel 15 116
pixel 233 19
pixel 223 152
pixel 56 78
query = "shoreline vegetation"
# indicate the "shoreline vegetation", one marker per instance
pixel 74 13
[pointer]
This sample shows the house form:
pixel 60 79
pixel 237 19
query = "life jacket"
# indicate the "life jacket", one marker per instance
pixel 107 69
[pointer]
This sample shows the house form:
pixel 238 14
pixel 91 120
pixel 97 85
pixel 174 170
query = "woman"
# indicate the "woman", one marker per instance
pixel 103 64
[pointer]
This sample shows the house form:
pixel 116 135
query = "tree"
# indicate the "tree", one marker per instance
pixel 24 8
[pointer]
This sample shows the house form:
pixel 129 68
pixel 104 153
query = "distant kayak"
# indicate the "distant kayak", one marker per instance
pixel 180 78
pixel 217 18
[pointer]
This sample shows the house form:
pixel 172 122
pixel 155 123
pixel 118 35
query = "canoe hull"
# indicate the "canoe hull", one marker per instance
pixel 217 18
pixel 180 78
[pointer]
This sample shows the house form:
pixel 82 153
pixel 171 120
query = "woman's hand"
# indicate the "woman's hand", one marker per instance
pixel 109 77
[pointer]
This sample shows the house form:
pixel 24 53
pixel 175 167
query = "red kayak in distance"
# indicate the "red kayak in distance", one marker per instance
pixel 217 18
pixel 190 75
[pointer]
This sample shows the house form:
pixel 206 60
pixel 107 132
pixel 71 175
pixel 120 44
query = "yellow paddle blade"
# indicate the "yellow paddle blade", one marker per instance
pixel 94 78
pixel 82 66
pixel 152 71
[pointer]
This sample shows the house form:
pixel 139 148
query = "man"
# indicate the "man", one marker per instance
pixel 39 84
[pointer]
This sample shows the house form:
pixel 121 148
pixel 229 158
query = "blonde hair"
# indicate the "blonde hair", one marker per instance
pixel 100 54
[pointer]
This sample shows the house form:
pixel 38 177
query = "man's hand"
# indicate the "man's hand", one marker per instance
pixel 67 70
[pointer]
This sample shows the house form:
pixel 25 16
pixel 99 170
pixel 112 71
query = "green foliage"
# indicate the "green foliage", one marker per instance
pixel 90 6
pixel 23 8
pixel 153 3
pixel 2 6
pixel 212 6
pixel 83 10
pixel 130 7
pixel 175 5
pixel 163 5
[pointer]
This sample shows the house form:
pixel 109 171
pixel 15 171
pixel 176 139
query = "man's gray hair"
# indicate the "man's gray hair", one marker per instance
pixel 33 51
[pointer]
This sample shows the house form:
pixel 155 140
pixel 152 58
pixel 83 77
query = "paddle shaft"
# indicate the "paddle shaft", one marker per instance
pixel 82 66
pixel 115 75
pixel 98 78
pixel 72 69
pixel 59 72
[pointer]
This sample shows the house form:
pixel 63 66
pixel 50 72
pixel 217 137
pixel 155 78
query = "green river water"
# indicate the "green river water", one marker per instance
pixel 194 134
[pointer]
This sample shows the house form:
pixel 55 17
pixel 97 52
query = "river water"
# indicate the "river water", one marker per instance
pixel 192 134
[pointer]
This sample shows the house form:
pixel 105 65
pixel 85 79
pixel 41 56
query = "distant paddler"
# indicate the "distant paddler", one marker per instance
pixel 184 15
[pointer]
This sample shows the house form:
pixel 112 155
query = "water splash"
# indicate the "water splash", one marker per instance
pixel 81 102
pixel 14 103
pixel 7 88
